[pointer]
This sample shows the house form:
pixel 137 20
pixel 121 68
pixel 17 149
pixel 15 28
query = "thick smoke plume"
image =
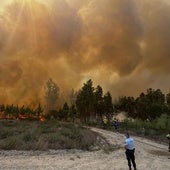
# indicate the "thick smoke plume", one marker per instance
pixel 121 45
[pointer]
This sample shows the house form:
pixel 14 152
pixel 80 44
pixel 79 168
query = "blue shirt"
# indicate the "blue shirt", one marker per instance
pixel 129 143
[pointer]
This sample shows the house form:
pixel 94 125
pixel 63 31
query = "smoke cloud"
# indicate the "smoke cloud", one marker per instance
pixel 121 45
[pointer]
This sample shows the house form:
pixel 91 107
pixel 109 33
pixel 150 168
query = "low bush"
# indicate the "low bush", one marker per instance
pixel 5 133
pixel 29 137
pixel 157 128
pixel 9 143
pixel 35 135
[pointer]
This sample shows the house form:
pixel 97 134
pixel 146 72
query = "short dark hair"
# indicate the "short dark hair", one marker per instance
pixel 127 135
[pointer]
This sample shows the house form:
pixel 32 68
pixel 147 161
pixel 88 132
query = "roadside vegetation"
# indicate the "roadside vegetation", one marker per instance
pixel 154 129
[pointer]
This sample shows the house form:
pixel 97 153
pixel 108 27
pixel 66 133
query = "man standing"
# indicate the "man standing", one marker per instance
pixel 168 137
pixel 130 151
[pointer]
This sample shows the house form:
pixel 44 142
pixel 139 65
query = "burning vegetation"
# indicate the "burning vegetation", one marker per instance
pixel 22 113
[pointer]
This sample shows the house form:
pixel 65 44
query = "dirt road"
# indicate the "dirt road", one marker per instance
pixel 149 156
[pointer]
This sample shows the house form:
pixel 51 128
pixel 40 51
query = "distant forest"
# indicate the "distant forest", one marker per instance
pixel 89 104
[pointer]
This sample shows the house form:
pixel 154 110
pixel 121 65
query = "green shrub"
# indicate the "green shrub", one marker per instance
pixel 54 137
pixel 29 137
pixel 160 126
pixel 9 143
pixel 72 133
pixel 163 122
pixel 5 133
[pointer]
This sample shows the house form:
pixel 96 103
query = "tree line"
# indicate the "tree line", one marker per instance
pixel 91 104
pixel 149 105
pixel 23 112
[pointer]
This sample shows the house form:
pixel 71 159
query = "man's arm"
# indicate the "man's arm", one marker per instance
pixel 125 146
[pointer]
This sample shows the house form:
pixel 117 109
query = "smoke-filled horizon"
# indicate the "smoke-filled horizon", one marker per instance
pixel 121 45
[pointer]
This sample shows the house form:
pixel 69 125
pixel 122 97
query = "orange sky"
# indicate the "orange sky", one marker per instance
pixel 121 45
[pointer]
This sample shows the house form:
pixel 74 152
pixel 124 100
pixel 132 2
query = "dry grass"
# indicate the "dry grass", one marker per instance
pixel 35 135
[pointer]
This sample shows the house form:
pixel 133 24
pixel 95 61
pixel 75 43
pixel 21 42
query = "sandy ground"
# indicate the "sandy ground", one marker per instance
pixel 149 156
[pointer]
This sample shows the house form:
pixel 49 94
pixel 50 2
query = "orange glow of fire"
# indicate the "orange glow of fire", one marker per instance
pixel 22 117
pixel 42 119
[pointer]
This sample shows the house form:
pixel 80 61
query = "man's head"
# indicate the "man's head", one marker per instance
pixel 168 136
pixel 127 135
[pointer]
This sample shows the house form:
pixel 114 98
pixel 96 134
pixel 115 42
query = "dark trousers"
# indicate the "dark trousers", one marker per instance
pixel 130 155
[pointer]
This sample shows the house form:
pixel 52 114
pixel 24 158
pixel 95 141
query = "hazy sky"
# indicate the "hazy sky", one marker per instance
pixel 123 45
